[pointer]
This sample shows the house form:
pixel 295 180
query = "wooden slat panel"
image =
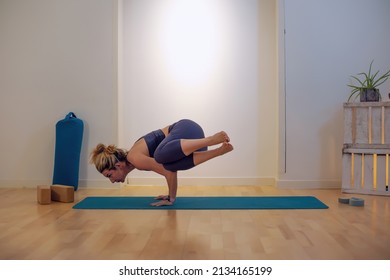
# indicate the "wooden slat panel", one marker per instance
pixel 366 151
pixel 381 149
pixel 367 133
pixel 361 125
pixel 368 172
pixel 347 125
pixel 357 171
pixel 346 179
pixel 387 124
pixel 376 125
pixel 366 104
pixel 381 173
pixel 388 173
pixel 367 146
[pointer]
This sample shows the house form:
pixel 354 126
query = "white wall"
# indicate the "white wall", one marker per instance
pixel 56 56
pixel 59 56
pixel 210 61
pixel 326 42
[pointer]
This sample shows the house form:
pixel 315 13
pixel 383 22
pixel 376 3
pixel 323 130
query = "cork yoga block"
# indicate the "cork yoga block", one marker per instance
pixel 43 194
pixel 62 193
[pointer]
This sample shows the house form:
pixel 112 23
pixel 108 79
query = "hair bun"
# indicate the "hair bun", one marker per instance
pixel 111 149
pixel 105 157
pixel 100 148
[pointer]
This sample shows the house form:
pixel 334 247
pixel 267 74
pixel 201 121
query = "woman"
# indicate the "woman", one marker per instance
pixel 179 146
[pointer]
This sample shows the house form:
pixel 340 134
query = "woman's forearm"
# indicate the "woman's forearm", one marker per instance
pixel 143 162
pixel 171 178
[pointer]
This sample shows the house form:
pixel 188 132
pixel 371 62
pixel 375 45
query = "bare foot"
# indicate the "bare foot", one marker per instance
pixel 219 138
pixel 203 156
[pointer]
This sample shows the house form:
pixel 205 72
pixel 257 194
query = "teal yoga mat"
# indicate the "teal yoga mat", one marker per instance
pixel 203 203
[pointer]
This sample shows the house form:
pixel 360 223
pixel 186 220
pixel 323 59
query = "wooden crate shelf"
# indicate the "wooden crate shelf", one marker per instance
pixel 366 148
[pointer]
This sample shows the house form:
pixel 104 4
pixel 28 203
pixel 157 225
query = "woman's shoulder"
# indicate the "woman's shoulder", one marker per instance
pixel 139 147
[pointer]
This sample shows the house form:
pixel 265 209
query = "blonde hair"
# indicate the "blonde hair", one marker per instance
pixel 105 157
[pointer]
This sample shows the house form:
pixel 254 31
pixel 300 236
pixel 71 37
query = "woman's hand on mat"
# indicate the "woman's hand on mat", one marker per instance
pixel 162 197
pixel 162 203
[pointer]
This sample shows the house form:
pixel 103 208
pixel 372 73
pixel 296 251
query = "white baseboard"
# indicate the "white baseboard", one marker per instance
pixel 155 181
pixel 91 184
pixel 203 181
pixel 23 183
pixel 308 184
pixel 160 181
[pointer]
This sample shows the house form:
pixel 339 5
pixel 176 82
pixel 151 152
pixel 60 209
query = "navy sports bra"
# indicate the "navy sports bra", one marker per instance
pixel 154 138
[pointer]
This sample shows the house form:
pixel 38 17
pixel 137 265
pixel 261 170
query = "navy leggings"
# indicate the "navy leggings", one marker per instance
pixel 169 152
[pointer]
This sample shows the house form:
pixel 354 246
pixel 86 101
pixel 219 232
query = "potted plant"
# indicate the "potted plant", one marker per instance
pixel 367 87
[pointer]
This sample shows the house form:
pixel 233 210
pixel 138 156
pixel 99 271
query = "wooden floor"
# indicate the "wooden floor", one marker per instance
pixel 56 231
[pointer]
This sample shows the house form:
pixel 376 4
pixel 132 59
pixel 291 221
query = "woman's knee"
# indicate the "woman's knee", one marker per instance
pixel 169 152
pixel 159 157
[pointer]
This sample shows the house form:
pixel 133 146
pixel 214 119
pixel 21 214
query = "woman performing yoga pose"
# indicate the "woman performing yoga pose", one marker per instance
pixel 179 146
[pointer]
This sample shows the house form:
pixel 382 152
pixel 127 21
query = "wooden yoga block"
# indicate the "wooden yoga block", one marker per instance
pixel 43 194
pixel 62 193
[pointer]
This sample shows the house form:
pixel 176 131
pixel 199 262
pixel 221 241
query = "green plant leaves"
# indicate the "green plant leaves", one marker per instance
pixel 367 81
